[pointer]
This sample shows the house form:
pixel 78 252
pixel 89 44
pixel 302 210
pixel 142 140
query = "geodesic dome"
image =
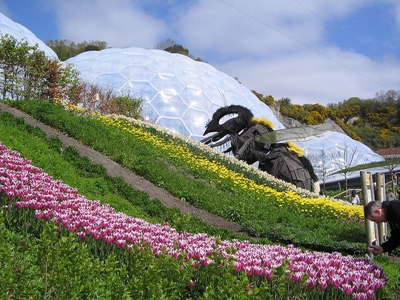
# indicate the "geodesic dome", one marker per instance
pixel 21 33
pixel 332 151
pixel 179 93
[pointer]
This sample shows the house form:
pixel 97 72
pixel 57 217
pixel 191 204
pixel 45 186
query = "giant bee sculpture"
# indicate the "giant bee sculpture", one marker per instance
pixel 283 160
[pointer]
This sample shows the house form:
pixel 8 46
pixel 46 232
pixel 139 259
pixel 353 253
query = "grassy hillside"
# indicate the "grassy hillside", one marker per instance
pixel 264 207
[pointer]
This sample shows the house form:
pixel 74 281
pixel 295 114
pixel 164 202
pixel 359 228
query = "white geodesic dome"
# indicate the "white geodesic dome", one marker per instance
pixel 332 151
pixel 21 33
pixel 179 93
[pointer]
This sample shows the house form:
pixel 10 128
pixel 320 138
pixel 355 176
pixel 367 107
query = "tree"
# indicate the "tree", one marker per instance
pixel 346 159
pixel 13 58
pixel 320 162
pixel 390 97
pixel 177 49
pixel 26 73
pixel 173 47
pixel 164 45
pixel 66 49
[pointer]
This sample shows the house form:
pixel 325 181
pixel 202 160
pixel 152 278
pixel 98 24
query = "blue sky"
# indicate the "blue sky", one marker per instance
pixel 310 51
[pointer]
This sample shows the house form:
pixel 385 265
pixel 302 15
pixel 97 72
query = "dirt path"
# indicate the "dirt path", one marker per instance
pixel 139 183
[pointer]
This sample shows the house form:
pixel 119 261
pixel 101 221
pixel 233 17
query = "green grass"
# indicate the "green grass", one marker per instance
pixel 257 213
pixel 66 164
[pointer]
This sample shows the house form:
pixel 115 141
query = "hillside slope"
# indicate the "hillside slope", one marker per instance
pixel 138 182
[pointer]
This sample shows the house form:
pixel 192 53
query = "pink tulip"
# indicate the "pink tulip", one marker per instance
pixel 54 201
pixel 360 296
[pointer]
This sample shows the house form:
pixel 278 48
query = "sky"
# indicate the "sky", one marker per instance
pixel 310 51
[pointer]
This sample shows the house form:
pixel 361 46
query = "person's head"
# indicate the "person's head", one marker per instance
pixel 353 193
pixel 374 212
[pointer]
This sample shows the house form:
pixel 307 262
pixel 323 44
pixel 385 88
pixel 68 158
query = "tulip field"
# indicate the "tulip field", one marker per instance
pixel 183 265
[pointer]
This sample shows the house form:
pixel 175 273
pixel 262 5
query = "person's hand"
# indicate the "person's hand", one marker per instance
pixel 375 249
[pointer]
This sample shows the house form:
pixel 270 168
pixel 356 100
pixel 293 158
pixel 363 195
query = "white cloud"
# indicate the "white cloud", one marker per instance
pixel 120 23
pixel 308 78
pixel 396 10
pixel 274 47
pixel 251 28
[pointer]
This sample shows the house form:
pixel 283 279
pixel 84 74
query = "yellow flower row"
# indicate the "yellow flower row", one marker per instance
pixel 179 150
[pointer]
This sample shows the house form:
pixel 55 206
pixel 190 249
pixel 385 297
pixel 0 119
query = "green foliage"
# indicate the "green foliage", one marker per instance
pixel 177 49
pixel 269 100
pixel 21 69
pixel 377 120
pixel 58 266
pixel 392 288
pixel 26 73
pixel 127 106
pixel 18 275
pixel 66 49
pixel 48 265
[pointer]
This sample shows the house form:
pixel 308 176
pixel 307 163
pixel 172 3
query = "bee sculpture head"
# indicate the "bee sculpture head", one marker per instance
pixel 234 129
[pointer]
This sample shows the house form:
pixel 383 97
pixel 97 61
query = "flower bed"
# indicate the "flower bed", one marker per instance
pixel 54 201
pixel 265 207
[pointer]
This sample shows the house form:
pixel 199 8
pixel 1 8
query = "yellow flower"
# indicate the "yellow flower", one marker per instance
pixel 292 196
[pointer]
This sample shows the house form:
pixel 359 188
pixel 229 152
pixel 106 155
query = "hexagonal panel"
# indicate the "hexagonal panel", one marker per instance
pixel 149 113
pixel 169 105
pixel 141 89
pixel 110 81
pixel 112 66
pixel 194 120
pixel 136 72
pixel 175 125
pixel 195 98
pixel 167 83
